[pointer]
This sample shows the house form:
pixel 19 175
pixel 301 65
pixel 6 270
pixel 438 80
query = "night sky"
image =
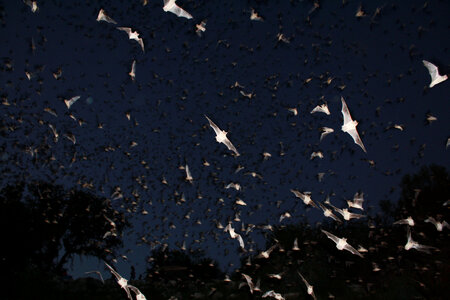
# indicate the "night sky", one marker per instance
pixel 138 135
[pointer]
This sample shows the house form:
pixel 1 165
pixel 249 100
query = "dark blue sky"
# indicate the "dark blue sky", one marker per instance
pixel 181 77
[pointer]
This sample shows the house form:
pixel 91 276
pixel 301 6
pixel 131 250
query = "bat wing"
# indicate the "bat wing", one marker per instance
pixel 109 20
pixel 134 289
pixel 117 275
pixel 241 241
pixel 141 42
pixel 401 222
pixel 249 282
pixel 354 134
pixel 102 16
pixel 312 203
pixel 349 248
pixel 345 112
pixel 431 220
pixel 231 147
pixel 331 236
pixel 214 126
pixel 303 278
pixel 356 216
pixel 432 69
pixel 126 29
pixel 180 12
pixel 298 194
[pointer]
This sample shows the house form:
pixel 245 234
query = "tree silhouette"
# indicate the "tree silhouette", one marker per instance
pixel 45 226
pixel 424 193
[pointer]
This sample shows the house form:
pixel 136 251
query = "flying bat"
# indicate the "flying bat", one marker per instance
pixel 273 294
pixel 357 202
pixel 133 35
pixel 341 243
pixel 309 288
pixel 439 225
pixel 255 17
pixel 266 254
pixel 234 235
pixel 325 131
pixel 32 4
pixel 102 16
pixel 413 244
pixel 120 280
pixel 434 73
pixel 199 28
pixel 188 174
pixel 306 197
pixel 321 108
pixel 221 136
pixel 71 101
pixel 349 125
pixel 345 213
pixel 329 213
pixel 171 6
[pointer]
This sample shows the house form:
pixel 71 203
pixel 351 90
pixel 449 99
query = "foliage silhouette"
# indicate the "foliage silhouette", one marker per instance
pixel 387 271
pixel 45 226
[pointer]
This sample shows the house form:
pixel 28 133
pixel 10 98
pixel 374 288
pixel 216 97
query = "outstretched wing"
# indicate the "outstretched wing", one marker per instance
pixel 333 216
pixel 102 16
pixel 139 295
pixel 431 220
pixel 231 147
pixel 126 29
pixel 249 282
pixel 345 112
pixel 141 42
pixel 354 134
pixel 117 275
pixel 331 236
pixel 432 69
pixel 180 12
pixel 241 241
pixel 349 248
pixel 214 126
pixel 298 194
pixel 303 278
pixel 356 216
